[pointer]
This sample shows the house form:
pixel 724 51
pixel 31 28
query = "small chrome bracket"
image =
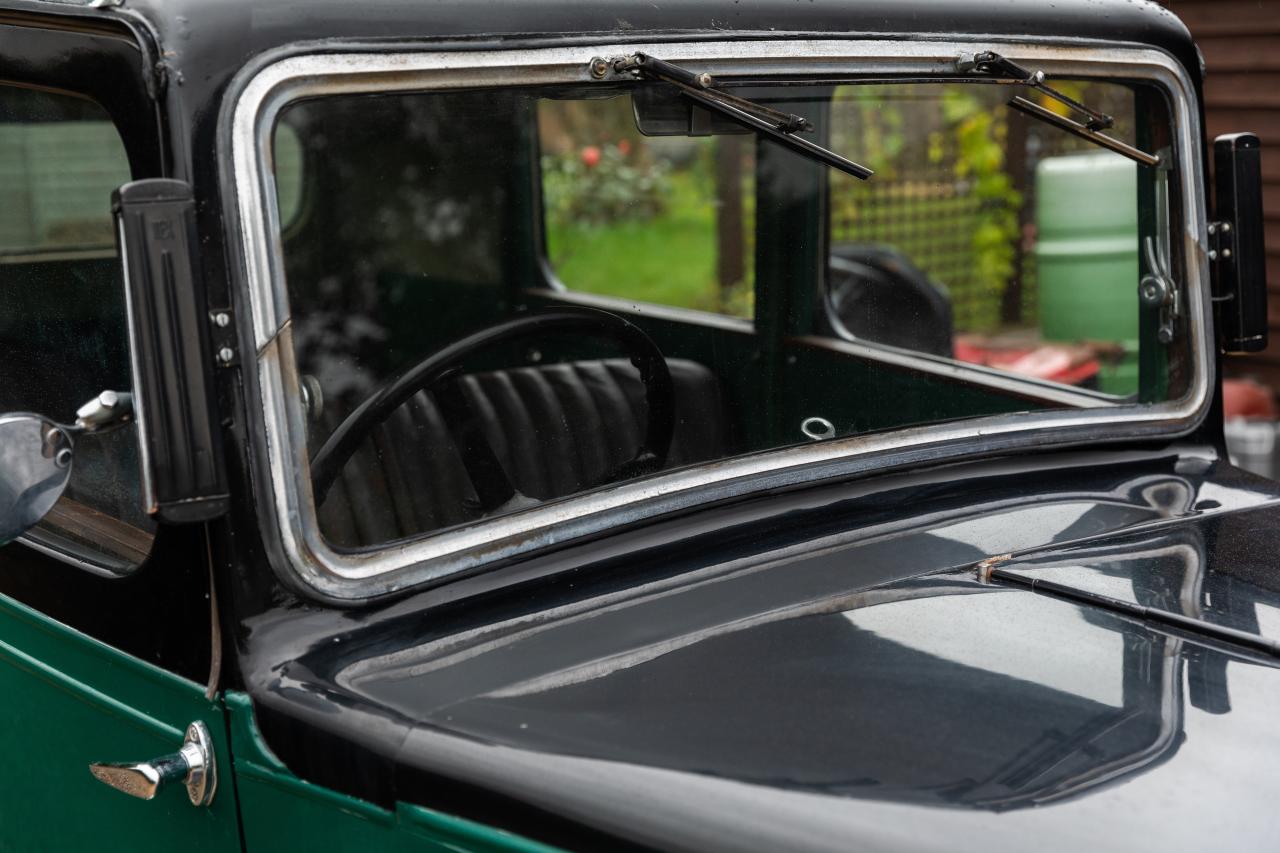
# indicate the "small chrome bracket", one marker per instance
pixel 107 410
pixel 193 764
pixel 223 334
pixel 985 567
pixel 1157 290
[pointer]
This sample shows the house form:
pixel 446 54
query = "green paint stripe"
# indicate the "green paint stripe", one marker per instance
pixel 85 693
pixel 254 760
pixel 73 642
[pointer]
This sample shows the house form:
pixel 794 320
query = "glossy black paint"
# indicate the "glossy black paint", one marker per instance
pixel 808 670
pixel 817 669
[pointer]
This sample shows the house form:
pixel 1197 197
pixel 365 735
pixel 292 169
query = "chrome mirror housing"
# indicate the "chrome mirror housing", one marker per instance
pixel 35 465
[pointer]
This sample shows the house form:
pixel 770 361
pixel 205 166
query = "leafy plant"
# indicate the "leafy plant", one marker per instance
pixel 980 145
pixel 603 185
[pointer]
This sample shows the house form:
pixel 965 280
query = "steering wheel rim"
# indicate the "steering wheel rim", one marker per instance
pixel 444 365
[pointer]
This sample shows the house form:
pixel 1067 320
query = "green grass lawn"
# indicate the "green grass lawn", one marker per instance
pixel 669 259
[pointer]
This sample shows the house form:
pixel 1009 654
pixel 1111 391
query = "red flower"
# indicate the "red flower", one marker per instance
pixel 624 147
pixel 590 156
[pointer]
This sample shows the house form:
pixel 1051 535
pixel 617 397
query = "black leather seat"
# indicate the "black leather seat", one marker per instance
pixel 879 295
pixel 556 429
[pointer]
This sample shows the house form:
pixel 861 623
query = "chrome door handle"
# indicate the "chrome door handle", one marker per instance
pixel 193 764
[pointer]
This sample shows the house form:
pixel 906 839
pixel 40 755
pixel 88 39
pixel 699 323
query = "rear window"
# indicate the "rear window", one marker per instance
pixel 667 220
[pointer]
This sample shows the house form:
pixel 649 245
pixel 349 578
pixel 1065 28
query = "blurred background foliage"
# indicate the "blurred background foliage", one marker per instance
pixel 670 220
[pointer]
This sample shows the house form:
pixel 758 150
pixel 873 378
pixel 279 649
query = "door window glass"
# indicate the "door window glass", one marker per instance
pixel 63 333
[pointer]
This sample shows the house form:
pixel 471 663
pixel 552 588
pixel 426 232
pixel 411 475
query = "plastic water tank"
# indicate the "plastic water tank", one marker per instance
pixel 1087 256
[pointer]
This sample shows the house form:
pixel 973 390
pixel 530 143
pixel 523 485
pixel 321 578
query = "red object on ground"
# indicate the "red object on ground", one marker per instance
pixel 1052 362
pixel 590 156
pixel 1246 398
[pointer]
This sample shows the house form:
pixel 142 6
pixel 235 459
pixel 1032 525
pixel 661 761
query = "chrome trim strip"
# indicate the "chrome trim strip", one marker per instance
pixel 71 560
pixel 317 569
pixel 974 374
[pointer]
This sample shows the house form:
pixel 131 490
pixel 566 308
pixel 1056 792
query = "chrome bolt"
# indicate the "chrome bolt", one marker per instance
pixel 1213 254
pixel 1226 228
pixel 1213 228
pixel 62 458
pixel 222 319
pixel 705 81
pixel 226 354
pixel 1226 253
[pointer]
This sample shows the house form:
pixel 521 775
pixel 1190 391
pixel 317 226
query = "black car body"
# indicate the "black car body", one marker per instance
pixel 988 626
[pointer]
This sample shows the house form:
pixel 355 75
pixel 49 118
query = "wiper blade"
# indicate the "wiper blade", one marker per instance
pixel 994 65
pixel 701 89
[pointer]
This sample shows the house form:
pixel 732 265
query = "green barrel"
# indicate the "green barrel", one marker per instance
pixel 1087 257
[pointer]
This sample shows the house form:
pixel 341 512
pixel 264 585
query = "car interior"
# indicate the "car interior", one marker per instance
pixel 413 222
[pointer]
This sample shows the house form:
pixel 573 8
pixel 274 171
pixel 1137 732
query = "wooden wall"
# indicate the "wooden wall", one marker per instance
pixel 1240 40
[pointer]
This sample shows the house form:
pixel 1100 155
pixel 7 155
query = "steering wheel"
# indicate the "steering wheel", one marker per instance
pixel 440 372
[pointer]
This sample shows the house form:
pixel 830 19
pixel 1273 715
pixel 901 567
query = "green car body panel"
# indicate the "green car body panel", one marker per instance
pixel 71 700
pixel 83 701
pixel 282 812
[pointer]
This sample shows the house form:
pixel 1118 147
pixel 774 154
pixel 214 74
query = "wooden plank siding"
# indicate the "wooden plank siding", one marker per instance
pixel 1240 40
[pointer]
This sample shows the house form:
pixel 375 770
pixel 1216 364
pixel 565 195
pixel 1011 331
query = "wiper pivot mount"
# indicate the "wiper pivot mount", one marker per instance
pixel 701 89
pixel 995 65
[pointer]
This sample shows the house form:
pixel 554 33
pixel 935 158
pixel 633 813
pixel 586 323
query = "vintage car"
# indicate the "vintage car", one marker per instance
pixel 701 425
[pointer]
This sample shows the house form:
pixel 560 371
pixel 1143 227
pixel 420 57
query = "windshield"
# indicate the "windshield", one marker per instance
pixel 507 297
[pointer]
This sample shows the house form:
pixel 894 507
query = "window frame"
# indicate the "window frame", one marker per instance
pixel 303 559
pixel 67 59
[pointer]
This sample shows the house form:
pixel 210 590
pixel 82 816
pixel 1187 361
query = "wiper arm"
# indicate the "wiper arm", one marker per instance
pixel 994 65
pixel 701 89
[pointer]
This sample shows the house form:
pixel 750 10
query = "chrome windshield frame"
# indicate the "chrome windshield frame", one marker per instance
pixel 305 561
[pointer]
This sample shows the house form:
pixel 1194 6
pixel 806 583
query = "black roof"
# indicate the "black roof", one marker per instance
pixel 208 40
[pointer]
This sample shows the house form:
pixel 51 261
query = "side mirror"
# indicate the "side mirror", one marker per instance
pixel 35 465
pixel 1237 247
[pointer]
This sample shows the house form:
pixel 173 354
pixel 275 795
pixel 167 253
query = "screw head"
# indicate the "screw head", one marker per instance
pixel 1213 254
pixel 599 68
pixel 1226 253
pixel 705 81
pixel 226 354
pixel 62 458
pixel 1226 228
pixel 222 319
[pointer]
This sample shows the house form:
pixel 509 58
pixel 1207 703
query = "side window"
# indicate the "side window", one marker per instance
pixel 63 333
pixel 989 237
pixel 668 220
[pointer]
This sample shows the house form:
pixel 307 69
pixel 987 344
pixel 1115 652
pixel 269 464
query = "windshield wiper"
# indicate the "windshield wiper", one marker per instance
pixel 994 65
pixel 701 89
